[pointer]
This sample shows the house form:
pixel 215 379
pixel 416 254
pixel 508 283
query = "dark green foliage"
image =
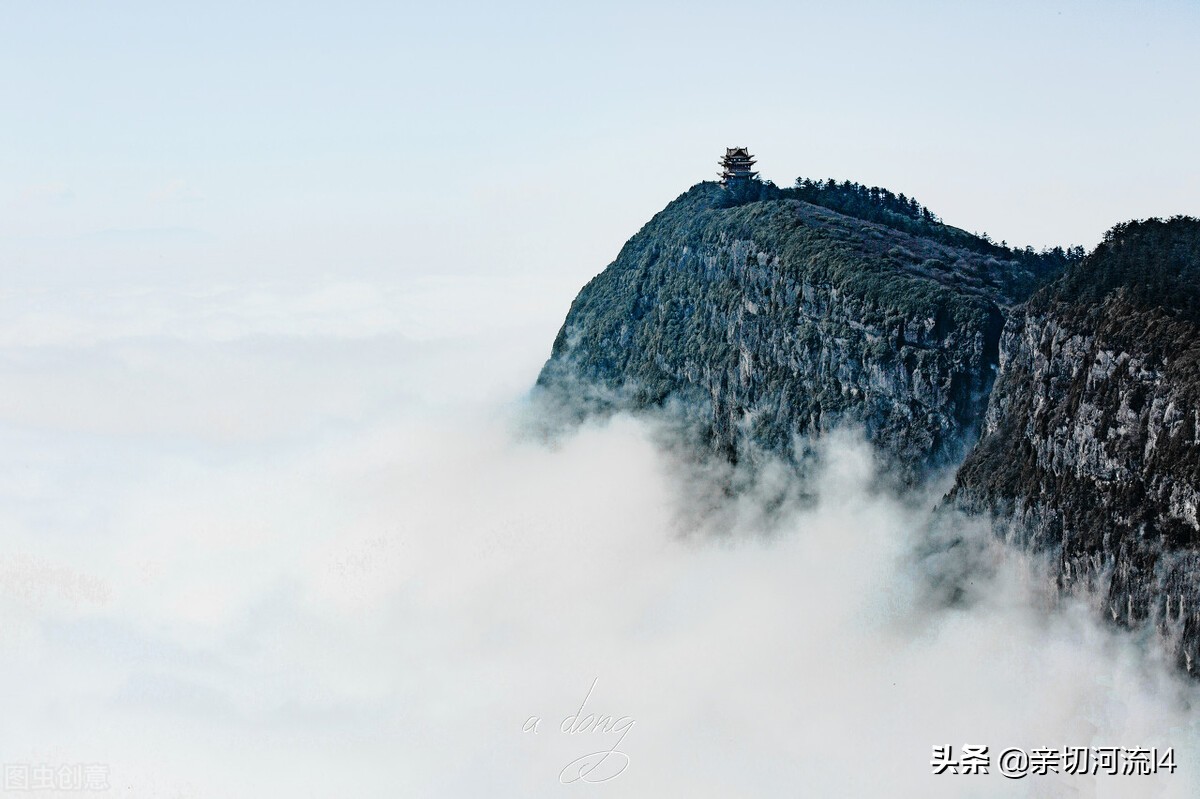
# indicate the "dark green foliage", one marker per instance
pixel 1154 263
pixel 740 192
pixel 905 213
pixel 855 199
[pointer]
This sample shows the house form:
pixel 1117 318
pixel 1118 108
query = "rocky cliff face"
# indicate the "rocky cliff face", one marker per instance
pixel 779 317
pixel 775 317
pixel 1091 441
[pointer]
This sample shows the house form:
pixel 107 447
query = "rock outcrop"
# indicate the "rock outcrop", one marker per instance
pixel 1091 441
pixel 769 317
pixel 778 317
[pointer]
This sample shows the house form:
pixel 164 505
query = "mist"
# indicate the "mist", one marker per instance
pixel 280 540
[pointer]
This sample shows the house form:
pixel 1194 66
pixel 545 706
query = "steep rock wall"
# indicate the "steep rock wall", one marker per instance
pixel 778 318
pixel 1091 441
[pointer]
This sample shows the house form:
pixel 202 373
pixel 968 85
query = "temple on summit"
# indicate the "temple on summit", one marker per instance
pixel 737 166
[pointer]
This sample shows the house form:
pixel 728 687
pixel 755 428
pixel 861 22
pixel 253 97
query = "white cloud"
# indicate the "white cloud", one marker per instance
pixel 364 584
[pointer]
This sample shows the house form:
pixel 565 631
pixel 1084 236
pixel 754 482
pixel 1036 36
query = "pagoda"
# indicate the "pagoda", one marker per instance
pixel 737 166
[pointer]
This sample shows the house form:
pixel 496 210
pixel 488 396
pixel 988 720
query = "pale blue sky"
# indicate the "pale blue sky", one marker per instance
pixel 460 138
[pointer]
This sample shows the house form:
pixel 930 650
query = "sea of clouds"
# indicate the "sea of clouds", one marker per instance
pixel 268 539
